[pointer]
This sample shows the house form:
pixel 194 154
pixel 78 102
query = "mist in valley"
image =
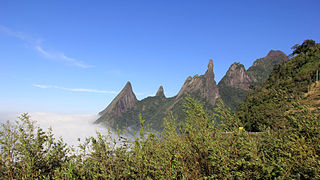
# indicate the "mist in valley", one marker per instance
pixel 70 127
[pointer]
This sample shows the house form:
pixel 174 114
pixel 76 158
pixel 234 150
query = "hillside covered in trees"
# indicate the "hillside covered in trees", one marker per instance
pixel 283 111
pixel 272 104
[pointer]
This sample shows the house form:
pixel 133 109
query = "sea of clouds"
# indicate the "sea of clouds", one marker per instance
pixel 68 126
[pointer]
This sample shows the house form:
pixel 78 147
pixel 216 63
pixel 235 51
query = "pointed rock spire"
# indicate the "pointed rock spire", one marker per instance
pixel 210 65
pixel 160 92
pixel 125 100
pixel 205 84
pixel 211 91
pixel 209 73
pixel 127 87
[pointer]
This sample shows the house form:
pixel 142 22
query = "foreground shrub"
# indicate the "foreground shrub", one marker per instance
pixel 199 149
pixel 27 152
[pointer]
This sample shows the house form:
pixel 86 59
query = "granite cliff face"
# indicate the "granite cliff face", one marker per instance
pixel 205 85
pixel 124 101
pixel 237 77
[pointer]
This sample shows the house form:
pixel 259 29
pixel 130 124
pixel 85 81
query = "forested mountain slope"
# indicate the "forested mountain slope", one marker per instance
pixel 286 89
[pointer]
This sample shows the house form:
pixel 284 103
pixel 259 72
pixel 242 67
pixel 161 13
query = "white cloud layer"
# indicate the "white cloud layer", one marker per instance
pixel 68 126
pixel 36 44
pixel 73 89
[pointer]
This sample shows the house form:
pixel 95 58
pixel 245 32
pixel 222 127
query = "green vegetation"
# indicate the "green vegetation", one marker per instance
pixel 151 108
pixel 28 152
pixel 231 96
pixel 271 103
pixel 154 109
pixel 198 149
pixel 304 47
pixel 262 68
pixel 283 109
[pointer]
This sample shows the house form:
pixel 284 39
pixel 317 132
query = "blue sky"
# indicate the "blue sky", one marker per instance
pixel 75 56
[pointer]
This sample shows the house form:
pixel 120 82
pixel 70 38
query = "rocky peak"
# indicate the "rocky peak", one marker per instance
pixel 204 84
pixel 237 77
pixel 275 53
pixel 125 100
pixel 127 88
pixel 236 65
pixel 209 73
pixel 210 65
pixel 160 92
pixel 189 78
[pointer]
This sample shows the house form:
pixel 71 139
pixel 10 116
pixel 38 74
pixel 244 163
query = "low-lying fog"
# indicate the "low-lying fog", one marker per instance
pixel 68 126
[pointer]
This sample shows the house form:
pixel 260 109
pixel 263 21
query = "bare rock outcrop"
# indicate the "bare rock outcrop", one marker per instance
pixel 160 92
pixel 237 77
pixel 125 100
pixel 204 84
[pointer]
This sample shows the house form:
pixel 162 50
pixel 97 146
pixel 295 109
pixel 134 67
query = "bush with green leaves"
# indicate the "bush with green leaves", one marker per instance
pixel 28 152
pixel 199 149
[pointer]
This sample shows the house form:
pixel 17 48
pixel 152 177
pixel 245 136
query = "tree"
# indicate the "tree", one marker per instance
pixel 304 47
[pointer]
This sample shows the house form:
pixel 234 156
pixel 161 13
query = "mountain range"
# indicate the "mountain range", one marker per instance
pixel 124 110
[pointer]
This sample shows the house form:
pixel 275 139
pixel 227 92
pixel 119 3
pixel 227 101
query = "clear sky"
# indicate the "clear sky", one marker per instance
pixel 74 56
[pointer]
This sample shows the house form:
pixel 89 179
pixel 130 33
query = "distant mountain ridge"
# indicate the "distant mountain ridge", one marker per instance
pixel 124 110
